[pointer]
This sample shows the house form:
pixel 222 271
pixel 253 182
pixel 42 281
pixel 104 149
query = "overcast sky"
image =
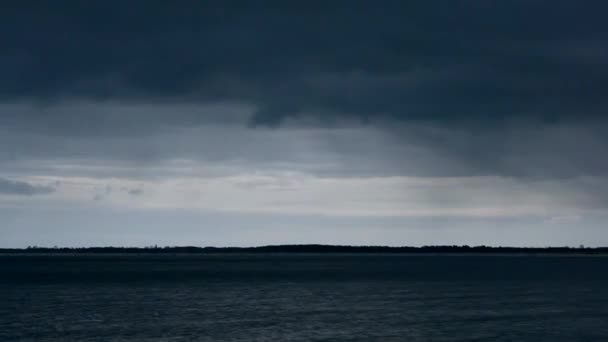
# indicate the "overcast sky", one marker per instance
pixel 134 123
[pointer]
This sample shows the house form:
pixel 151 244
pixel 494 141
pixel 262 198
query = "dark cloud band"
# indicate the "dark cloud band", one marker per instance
pixel 11 187
pixel 437 60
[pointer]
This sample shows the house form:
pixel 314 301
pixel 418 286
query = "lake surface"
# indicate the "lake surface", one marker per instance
pixel 303 298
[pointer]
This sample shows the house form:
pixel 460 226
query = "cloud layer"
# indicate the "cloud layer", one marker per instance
pixel 401 115
pixel 12 187
pixel 435 60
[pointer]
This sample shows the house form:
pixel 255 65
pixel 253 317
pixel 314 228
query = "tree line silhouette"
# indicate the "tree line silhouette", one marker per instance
pixel 311 248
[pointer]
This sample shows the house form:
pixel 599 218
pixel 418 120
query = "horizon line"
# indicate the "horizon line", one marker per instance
pixel 305 248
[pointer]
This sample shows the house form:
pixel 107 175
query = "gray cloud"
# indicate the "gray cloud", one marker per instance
pixel 458 89
pixel 12 187
pixel 102 193
pixel 437 60
pixel 267 93
pixel 525 148
pixel 135 192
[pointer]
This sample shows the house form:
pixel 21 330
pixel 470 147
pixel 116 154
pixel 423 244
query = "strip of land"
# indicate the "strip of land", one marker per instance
pixel 311 249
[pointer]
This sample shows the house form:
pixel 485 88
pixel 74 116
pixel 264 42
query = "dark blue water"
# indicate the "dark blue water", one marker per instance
pixel 303 298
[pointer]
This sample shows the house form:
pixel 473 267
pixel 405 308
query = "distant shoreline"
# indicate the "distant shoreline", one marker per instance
pixel 308 249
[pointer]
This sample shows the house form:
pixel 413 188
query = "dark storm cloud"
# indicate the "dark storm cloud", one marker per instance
pixel 11 187
pixel 458 88
pixel 436 60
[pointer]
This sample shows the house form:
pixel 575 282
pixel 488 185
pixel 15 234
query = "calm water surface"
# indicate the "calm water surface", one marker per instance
pixel 303 298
